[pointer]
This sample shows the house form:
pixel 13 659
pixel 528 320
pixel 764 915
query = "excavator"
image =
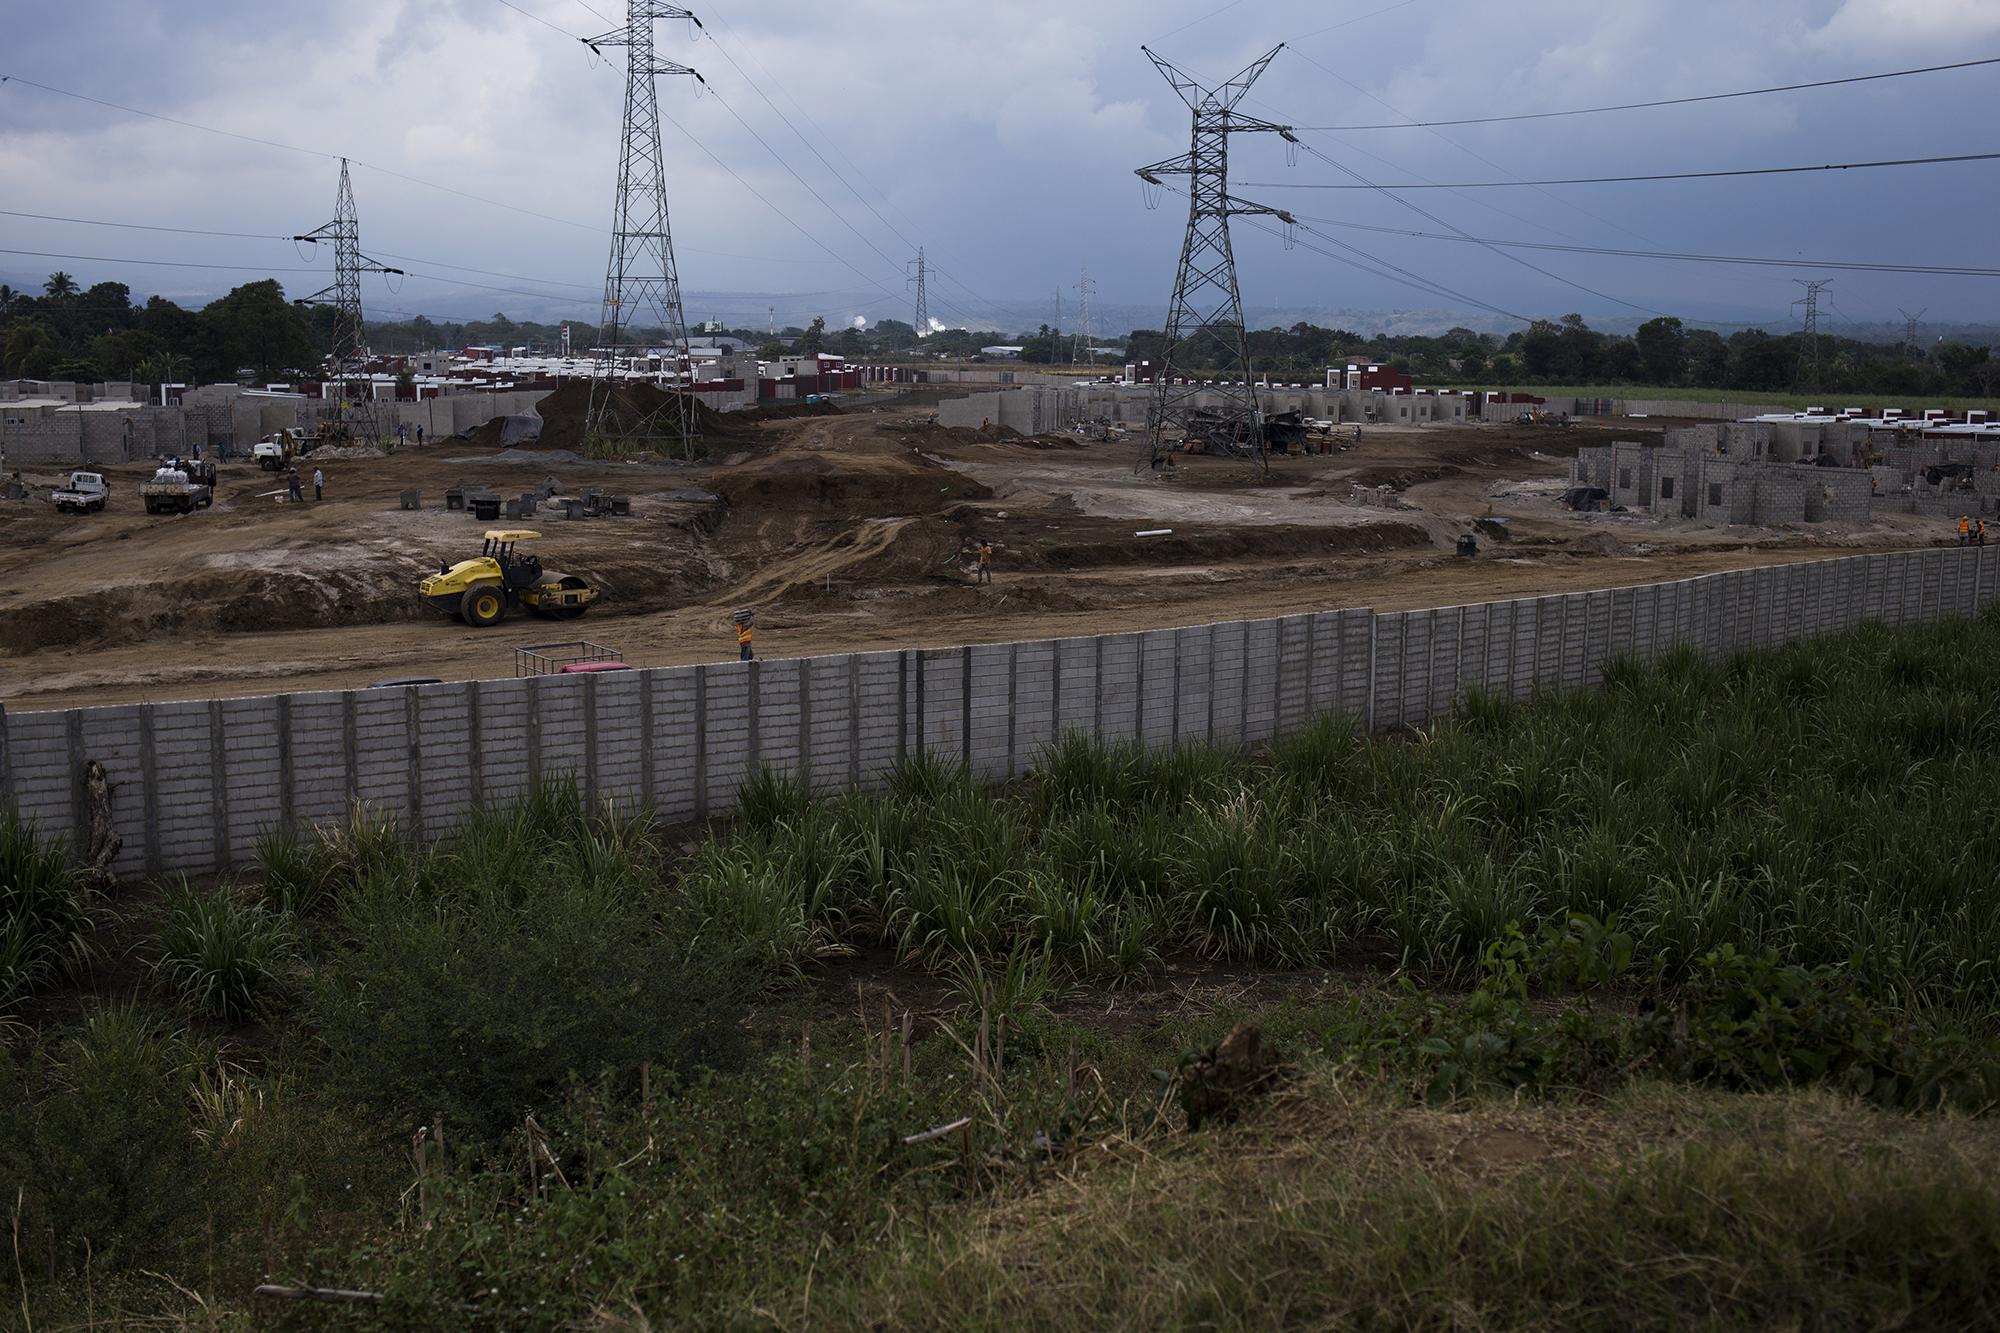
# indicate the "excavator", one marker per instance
pixel 481 591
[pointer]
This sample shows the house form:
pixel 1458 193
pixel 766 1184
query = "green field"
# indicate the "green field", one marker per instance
pixel 1671 1004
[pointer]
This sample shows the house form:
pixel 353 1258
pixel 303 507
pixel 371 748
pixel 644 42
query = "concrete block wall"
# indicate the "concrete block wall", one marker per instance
pixel 195 785
pixel 1633 475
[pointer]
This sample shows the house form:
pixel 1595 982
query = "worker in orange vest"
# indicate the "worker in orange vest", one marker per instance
pixel 1964 529
pixel 743 653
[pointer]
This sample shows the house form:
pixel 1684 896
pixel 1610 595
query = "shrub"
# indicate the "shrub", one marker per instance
pixel 488 998
pixel 223 954
pixel 47 911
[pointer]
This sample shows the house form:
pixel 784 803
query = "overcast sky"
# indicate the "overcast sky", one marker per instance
pixel 1002 137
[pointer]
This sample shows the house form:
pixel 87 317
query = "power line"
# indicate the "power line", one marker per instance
pixel 1344 23
pixel 1858 266
pixel 790 123
pixel 1667 101
pixel 1443 138
pixel 1346 170
pixel 157 263
pixel 1198 21
pixel 539 19
pixel 1661 176
pixel 142 226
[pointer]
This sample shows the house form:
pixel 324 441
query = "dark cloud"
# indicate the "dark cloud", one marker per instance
pixel 1003 139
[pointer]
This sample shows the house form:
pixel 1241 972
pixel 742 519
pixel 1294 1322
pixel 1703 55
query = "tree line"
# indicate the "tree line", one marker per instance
pixel 69 332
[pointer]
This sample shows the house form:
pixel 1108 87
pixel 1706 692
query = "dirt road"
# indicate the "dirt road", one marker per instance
pixel 845 532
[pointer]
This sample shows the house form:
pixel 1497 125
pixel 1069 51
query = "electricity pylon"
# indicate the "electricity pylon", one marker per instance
pixel 348 357
pixel 1204 329
pixel 641 281
pixel 1080 351
pixel 1806 378
pixel 1910 323
pixel 921 316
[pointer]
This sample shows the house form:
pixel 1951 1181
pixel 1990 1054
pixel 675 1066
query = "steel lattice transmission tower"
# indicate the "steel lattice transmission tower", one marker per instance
pixel 1080 350
pixel 1204 329
pixel 642 286
pixel 1910 323
pixel 921 317
pixel 1806 378
pixel 348 356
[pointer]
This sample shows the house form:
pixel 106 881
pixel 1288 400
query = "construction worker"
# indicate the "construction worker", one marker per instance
pixel 743 636
pixel 1964 530
pixel 319 485
pixel 985 561
pixel 1979 533
pixel 292 491
pixel 420 437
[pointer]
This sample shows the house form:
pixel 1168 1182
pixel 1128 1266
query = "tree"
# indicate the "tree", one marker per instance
pixel 254 327
pixel 1577 351
pixel 162 368
pixel 30 350
pixel 1472 359
pixel 1966 369
pixel 60 286
pixel 1759 361
pixel 1539 346
pixel 1662 351
pixel 811 340
pixel 168 322
pixel 1707 358
pixel 123 351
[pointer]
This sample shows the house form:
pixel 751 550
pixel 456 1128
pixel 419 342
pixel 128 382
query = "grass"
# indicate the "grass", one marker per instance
pixel 1670 1004
pixel 221 953
pixel 1826 803
pixel 1338 1207
pixel 47 912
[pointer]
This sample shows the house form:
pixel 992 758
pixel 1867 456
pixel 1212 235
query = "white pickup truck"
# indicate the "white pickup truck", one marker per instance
pixel 279 448
pixel 85 494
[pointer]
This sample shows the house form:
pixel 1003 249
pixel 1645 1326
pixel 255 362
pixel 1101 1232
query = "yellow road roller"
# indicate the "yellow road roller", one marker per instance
pixel 480 591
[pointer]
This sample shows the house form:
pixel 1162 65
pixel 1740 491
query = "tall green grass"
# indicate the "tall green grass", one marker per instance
pixel 1832 802
pixel 47 911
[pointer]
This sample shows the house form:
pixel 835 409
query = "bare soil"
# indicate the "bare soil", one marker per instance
pixel 845 530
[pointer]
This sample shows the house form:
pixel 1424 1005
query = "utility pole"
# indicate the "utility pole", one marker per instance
pixel 1806 378
pixel 771 315
pixel 921 316
pixel 641 280
pixel 353 389
pixel 1080 351
pixel 1204 326
pixel 1055 329
pixel 1910 323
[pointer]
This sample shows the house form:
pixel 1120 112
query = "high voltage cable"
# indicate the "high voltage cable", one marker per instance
pixel 159 263
pixel 1666 101
pixel 1375 265
pixel 144 226
pixel 1344 23
pixel 834 144
pixel 1512 259
pixel 1859 266
pixel 1661 176
pixel 1559 199
pixel 539 19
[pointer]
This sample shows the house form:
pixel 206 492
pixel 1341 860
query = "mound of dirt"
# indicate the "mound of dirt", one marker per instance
pixel 563 415
pixel 872 486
